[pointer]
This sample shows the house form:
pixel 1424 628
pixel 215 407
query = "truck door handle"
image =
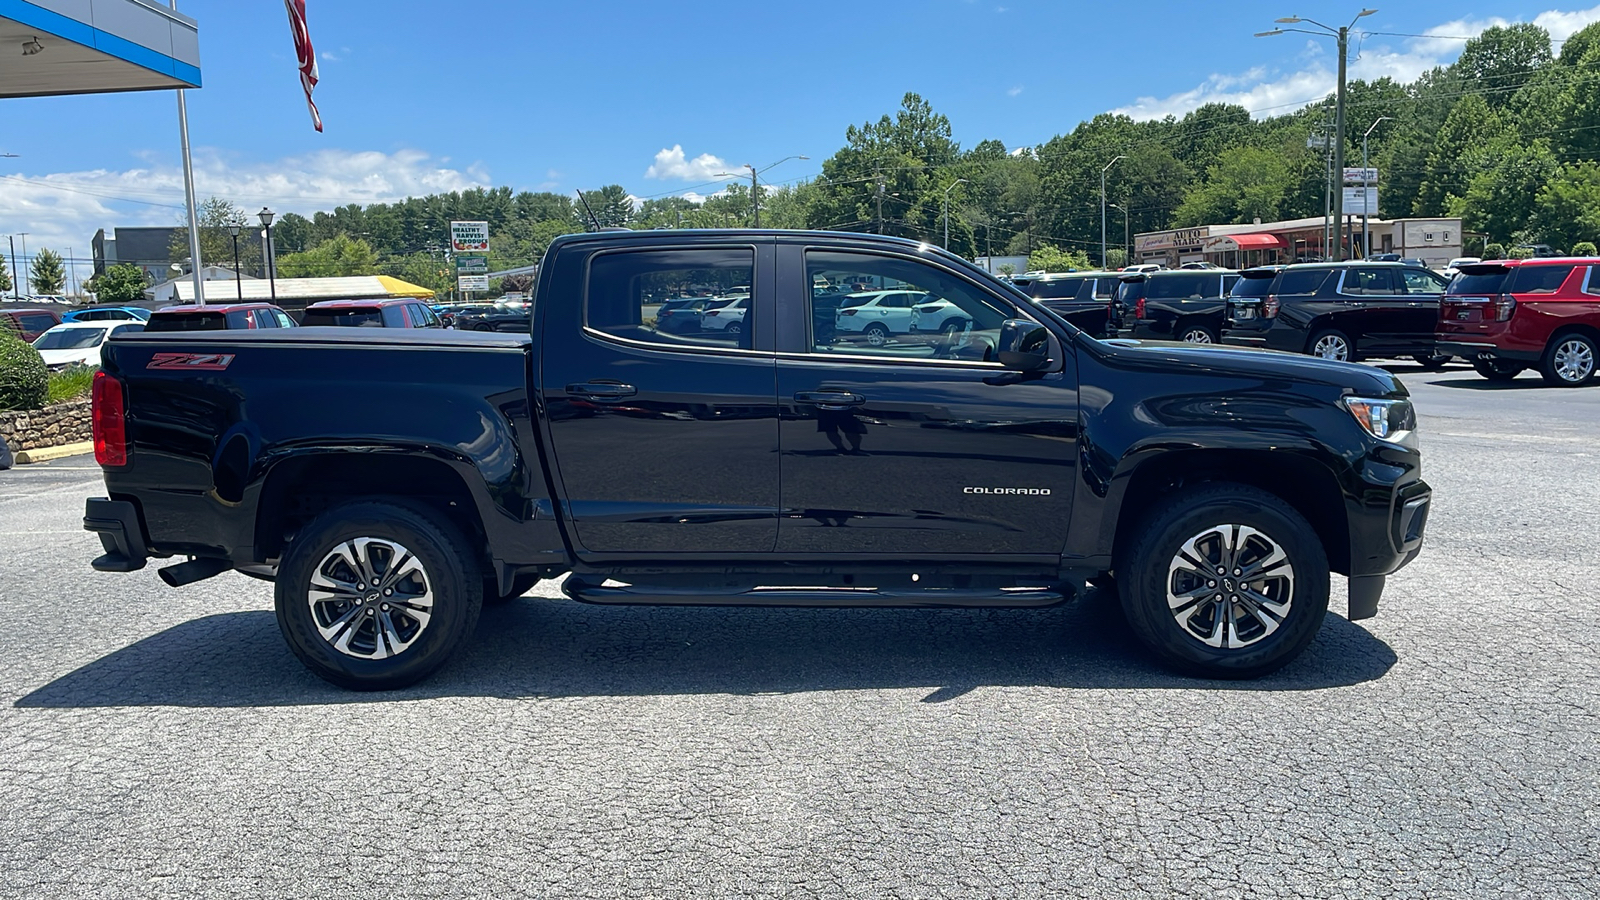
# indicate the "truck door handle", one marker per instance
pixel 831 399
pixel 602 390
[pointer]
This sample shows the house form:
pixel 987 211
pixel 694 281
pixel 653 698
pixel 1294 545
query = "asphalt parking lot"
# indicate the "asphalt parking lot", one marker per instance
pixel 165 743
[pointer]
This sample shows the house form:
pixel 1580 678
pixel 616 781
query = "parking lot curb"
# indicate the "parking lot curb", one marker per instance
pixel 44 454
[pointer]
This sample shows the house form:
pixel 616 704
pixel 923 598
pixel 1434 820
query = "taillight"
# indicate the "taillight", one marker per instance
pixel 1269 307
pixel 1138 309
pixel 1504 306
pixel 847 312
pixel 109 421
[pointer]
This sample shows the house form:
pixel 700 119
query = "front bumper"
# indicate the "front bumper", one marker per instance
pixel 1388 521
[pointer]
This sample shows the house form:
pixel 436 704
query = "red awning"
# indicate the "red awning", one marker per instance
pixel 1257 241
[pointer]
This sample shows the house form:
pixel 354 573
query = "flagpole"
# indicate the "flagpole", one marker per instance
pixel 188 194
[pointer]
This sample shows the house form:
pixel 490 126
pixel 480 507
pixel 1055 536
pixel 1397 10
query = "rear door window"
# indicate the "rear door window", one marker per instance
pixel 1300 281
pixel 618 300
pixel 1369 283
pixel 1539 279
pixel 1421 281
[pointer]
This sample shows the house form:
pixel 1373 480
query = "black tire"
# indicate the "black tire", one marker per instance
pixel 483 326
pixel 520 585
pixel 876 334
pixel 1145 578
pixel 1195 333
pixel 1324 342
pixel 1433 362
pixel 1570 360
pixel 1497 370
pixel 450 571
pixel 735 329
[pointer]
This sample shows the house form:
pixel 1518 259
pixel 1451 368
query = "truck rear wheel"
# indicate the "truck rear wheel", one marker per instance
pixel 1225 581
pixel 376 596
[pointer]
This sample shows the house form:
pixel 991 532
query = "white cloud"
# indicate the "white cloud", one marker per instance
pixel 63 209
pixel 1014 91
pixel 671 164
pixel 1268 92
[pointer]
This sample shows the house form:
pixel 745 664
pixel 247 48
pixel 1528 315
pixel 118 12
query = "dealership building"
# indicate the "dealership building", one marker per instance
pixel 1434 241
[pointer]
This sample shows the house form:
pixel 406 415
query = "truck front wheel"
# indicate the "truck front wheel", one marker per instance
pixel 377 596
pixel 1225 581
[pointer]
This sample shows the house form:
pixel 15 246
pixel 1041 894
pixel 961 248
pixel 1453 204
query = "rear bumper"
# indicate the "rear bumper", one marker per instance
pixel 121 534
pixel 1479 350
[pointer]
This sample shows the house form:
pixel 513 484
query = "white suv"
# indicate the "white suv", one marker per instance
pixel 725 314
pixel 875 315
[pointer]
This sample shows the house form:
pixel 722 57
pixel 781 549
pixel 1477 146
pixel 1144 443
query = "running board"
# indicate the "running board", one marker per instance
pixel 660 595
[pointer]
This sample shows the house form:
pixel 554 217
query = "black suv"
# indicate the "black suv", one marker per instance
pixel 1343 310
pixel 1182 305
pixel 1082 298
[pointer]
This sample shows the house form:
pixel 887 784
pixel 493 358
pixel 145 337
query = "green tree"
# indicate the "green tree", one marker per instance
pixel 47 274
pixel 1493 250
pixel 1584 248
pixel 1245 183
pixel 1471 125
pixel 1055 259
pixel 611 206
pixel 1116 258
pixel 121 284
pixel 1568 206
pixel 290 234
pixel 1503 58
pixel 339 255
pixel 5 277
pixel 1503 189
pixel 24 380
pixel 217 219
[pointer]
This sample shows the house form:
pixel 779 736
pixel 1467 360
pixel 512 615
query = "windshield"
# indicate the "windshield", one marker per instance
pixel 359 317
pixel 1252 286
pixel 1055 289
pixel 1486 280
pixel 69 339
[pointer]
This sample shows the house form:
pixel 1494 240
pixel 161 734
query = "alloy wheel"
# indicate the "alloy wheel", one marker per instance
pixel 370 598
pixel 877 337
pixel 1197 336
pixel 1574 361
pixel 1230 586
pixel 1332 346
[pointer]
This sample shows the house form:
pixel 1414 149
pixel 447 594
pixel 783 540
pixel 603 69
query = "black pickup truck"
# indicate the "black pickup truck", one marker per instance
pixel 392 481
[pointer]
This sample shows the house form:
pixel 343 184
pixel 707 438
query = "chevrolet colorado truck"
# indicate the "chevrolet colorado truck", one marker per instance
pixel 390 482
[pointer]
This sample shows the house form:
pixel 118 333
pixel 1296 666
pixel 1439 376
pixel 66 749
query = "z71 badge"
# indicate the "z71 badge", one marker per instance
pixel 188 362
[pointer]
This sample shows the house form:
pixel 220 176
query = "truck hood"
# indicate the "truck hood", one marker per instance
pixel 1180 358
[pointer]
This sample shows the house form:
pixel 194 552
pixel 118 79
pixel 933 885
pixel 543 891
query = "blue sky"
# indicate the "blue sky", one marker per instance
pixel 656 96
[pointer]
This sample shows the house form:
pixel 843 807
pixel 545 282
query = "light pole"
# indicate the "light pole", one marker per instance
pixel 947 209
pixel 1366 193
pixel 16 278
pixel 1103 172
pixel 1343 37
pixel 24 236
pixel 272 277
pixel 1126 250
pixel 238 280
pixel 755 195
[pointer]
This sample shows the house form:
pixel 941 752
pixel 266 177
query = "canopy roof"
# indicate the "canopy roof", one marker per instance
pixel 293 293
pixel 95 46
pixel 1225 242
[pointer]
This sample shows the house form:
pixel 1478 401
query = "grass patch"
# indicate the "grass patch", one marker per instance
pixel 69 384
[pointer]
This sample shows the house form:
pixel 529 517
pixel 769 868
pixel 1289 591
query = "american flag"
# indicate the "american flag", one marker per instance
pixel 308 56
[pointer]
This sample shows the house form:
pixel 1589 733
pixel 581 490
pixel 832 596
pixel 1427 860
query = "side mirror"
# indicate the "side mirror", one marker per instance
pixel 1024 346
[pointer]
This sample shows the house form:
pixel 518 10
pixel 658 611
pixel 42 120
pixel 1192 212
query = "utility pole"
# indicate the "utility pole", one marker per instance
pixel 1367 187
pixel 1103 208
pixel 880 202
pixel 16 278
pixel 1342 34
pixel 947 210
pixel 755 198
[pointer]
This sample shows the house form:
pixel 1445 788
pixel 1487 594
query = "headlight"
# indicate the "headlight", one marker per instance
pixel 1387 420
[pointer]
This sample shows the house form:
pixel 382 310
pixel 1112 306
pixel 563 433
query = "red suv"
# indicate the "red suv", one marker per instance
pixel 377 313
pixel 1514 314
pixel 28 324
pixel 218 317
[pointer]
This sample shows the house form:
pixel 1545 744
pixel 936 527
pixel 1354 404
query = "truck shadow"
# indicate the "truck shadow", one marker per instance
pixel 539 648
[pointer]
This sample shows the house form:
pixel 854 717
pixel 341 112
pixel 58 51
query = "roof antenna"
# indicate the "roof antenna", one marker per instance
pixel 592 217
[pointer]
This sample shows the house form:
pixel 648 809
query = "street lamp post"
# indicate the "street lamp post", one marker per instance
pixel 1366 195
pixel 16 277
pixel 755 194
pixel 238 280
pixel 1103 172
pixel 1127 251
pixel 266 216
pixel 1343 36
pixel 947 209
